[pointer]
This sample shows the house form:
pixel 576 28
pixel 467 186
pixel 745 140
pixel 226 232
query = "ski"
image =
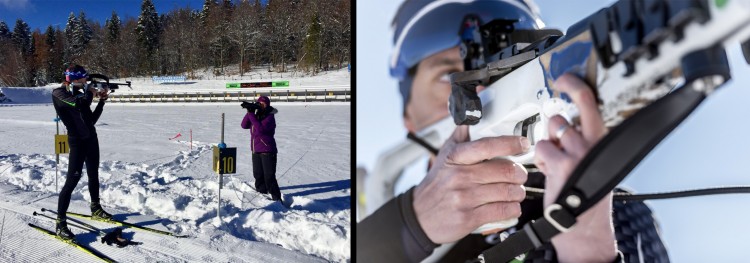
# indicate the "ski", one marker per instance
pixel 83 248
pixel 121 223
pixel 107 237
pixel 75 223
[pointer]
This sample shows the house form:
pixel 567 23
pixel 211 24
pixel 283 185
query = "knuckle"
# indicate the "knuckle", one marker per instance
pixel 513 173
pixel 507 170
pixel 520 193
pixel 466 174
pixel 459 200
pixel 512 143
pixel 514 209
pixel 541 145
pixel 452 155
pixel 556 121
pixel 505 210
pixel 507 192
pixel 521 175
pixel 586 96
pixel 468 219
pixel 452 180
pixel 568 165
pixel 511 210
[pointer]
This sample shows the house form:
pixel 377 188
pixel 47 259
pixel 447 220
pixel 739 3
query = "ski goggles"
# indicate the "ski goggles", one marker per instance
pixel 74 75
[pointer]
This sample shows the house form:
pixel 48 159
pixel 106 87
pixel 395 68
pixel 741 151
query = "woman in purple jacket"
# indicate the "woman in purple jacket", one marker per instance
pixel 262 124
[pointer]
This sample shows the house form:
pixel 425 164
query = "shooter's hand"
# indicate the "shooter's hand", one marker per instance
pixel 467 188
pixel 103 94
pixel 592 238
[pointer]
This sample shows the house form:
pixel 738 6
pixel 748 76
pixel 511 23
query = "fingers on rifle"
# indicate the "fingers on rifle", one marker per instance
pixel 488 148
pixel 591 119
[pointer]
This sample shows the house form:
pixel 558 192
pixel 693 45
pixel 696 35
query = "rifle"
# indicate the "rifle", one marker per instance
pixel 99 81
pixel 650 63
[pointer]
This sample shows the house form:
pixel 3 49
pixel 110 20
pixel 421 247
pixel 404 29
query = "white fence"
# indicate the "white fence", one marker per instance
pixel 291 95
pixel 169 79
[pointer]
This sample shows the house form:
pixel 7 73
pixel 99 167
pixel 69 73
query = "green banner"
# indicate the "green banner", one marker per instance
pixel 267 84
pixel 281 83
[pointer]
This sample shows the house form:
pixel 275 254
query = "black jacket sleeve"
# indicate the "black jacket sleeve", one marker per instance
pixel 98 111
pixel 393 234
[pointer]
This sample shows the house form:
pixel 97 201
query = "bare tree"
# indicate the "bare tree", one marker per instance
pixel 243 31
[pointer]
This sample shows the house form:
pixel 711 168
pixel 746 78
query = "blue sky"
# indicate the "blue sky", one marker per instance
pixel 708 149
pixel 41 13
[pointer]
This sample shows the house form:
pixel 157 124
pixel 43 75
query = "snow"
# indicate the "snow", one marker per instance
pixel 206 82
pixel 165 184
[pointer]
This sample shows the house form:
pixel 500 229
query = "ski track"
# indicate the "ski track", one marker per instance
pixel 186 205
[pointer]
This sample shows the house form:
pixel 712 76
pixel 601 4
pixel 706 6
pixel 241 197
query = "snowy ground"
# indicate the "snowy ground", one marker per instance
pixel 161 183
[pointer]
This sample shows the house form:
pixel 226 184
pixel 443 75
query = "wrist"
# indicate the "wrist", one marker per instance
pixel 585 248
pixel 592 239
pixel 419 213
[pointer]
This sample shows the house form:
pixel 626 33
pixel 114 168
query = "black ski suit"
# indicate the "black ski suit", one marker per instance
pixel 76 114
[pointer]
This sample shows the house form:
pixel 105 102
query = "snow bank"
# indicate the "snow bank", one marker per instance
pixel 27 95
pixel 144 173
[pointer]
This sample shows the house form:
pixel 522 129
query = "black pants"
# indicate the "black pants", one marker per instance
pixel 81 151
pixel 264 171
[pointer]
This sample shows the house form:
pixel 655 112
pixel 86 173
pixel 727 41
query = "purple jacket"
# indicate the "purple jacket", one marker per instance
pixel 261 132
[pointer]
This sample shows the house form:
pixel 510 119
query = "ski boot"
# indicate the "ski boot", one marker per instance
pixel 62 230
pixel 98 213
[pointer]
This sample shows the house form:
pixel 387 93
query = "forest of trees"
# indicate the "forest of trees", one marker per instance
pixel 306 35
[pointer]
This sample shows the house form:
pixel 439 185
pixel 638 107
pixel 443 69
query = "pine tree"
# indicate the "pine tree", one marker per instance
pixel 22 38
pixel 49 36
pixel 71 43
pixel 84 31
pixel 313 43
pixel 22 46
pixel 31 48
pixel 205 11
pixel 49 39
pixel 113 28
pixel 148 30
pixel 33 67
pixel 227 8
pixel 71 26
pixel 4 31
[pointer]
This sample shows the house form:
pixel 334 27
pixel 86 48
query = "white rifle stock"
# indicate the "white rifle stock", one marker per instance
pixel 636 76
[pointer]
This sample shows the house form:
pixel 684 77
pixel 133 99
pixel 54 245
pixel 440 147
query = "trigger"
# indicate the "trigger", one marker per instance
pixel 527 128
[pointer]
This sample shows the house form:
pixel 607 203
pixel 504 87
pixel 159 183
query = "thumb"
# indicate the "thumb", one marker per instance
pixel 460 134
